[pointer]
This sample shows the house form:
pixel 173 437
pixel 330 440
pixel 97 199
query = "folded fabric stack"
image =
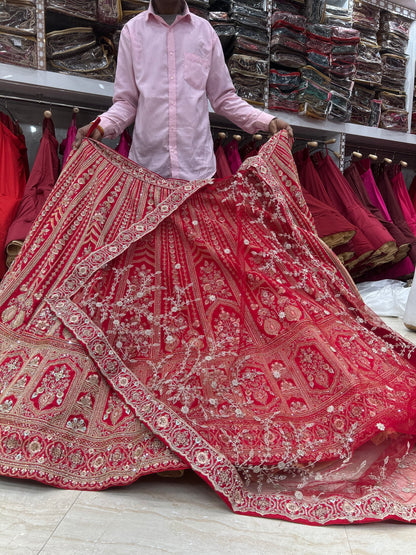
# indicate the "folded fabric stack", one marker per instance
pixel 337 15
pixel 18 33
pixel 199 7
pixel 366 19
pixel 250 59
pixel 131 8
pixel 324 55
pixel 284 88
pixel 332 50
pixel 287 56
pixel 224 27
pixel 365 108
pixel 78 51
pixel 84 9
pixel 315 93
pixel 342 70
pixel 393 40
pixel 109 11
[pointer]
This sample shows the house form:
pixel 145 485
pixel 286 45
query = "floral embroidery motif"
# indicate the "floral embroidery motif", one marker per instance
pixel 201 324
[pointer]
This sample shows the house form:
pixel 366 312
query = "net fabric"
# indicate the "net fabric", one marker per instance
pixel 165 324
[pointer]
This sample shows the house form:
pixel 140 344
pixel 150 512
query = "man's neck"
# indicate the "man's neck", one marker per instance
pixel 168 7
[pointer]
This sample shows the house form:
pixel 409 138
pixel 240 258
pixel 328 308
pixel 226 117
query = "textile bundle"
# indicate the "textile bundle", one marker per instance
pixel 152 324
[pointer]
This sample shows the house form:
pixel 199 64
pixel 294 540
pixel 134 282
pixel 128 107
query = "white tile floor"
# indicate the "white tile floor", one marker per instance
pixel 157 515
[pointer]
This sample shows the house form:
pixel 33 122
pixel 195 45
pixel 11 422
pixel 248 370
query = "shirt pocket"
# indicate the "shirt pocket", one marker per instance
pixel 196 71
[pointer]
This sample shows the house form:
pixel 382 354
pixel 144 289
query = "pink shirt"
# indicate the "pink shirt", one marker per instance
pixel 165 76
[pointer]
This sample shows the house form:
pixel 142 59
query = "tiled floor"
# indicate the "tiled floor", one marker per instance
pixel 157 515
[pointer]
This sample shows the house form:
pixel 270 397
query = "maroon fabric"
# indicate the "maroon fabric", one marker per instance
pixel 13 167
pixel 233 156
pixel 366 173
pixel 344 199
pixel 15 128
pixel 42 178
pixel 412 191
pixel 310 178
pixel 393 206
pixel 328 221
pixel 249 149
pixel 223 167
pixel 353 177
pixel 401 265
pixel 394 172
pixel 124 145
pixel 66 145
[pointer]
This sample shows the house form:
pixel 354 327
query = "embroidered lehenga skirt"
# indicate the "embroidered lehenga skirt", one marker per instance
pixel 151 325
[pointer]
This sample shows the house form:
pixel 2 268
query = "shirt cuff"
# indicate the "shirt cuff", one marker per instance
pixel 108 127
pixel 264 120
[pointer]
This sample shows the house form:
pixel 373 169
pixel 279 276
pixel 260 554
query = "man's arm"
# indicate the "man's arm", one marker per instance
pixel 225 101
pixel 123 111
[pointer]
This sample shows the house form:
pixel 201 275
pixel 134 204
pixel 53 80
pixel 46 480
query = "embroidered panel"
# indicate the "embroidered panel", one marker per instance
pixel 165 324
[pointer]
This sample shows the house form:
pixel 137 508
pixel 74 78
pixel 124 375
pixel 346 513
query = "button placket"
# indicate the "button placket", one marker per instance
pixel 172 121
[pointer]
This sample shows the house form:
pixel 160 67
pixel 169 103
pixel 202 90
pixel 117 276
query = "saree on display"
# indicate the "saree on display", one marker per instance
pixel 151 325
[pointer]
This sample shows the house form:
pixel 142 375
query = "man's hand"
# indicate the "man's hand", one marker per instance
pixel 83 132
pixel 278 124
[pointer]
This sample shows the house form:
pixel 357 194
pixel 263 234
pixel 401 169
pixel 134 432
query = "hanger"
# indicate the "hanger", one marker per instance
pixel 388 160
pixel 403 164
pixel 373 157
pixel 47 114
pixel 237 138
pixel 357 154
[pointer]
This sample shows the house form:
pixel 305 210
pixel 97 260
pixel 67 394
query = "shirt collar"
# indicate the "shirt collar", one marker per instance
pixel 151 12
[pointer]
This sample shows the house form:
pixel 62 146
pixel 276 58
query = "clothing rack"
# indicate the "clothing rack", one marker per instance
pixel 48 103
pixel 224 133
pixel 380 154
pixel 301 142
pixel 314 142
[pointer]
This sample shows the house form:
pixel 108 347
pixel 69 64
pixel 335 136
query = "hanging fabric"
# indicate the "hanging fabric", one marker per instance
pixel 340 192
pixel 392 251
pixel 311 180
pixel 402 265
pixel 223 167
pixel 233 156
pixel 13 174
pixel 399 187
pixel 42 178
pixel 66 145
pixel 124 144
pixel 412 191
pixel 331 226
pixel 393 205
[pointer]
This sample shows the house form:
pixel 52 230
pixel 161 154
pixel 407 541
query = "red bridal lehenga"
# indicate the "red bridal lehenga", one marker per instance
pixel 151 325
